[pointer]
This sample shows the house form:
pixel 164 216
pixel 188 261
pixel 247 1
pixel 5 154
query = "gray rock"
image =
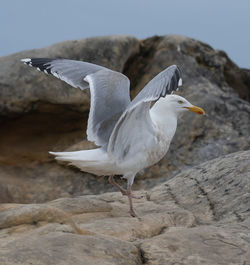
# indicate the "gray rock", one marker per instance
pixel 227 124
pixel 22 89
pixel 220 189
pixel 40 113
pixel 194 246
pixel 199 217
pixel 66 249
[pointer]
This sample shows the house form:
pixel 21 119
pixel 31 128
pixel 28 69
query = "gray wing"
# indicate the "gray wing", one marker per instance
pixel 164 83
pixel 134 131
pixel 70 71
pixel 109 98
pixel 109 92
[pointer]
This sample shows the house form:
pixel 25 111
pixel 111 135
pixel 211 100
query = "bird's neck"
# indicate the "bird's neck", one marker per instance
pixel 164 118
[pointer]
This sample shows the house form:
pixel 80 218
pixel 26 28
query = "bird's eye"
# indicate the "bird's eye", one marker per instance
pixel 180 102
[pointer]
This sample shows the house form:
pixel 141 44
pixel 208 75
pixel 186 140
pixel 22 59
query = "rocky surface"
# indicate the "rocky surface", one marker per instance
pixel 201 216
pixel 39 113
pixel 195 206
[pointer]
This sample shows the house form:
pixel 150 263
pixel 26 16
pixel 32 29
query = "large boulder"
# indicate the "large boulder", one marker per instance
pixel 22 89
pixel 40 113
pixel 199 217
pixel 206 83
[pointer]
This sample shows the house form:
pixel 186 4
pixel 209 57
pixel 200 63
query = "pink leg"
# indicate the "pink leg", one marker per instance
pixel 122 190
pixel 131 209
pixel 113 182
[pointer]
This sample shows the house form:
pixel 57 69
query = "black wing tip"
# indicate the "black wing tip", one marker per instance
pixel 175 81
pixel 179 76
pixel 177 70
pixel 41 64
pixel 27 61
pixel 37 60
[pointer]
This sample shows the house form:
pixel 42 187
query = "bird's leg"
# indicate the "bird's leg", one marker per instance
pixel 129 193
pixel 122 190
pixel 113 182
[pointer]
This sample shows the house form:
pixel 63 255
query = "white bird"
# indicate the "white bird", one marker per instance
pixel 131 135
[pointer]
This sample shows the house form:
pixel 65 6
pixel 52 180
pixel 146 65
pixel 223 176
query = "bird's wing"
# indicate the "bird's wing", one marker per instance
pixel 109 92
pixel 109 98
pixel 134 132
pixel 166 82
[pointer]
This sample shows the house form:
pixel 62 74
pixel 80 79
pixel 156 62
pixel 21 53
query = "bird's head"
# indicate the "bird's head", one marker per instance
pixel 179 104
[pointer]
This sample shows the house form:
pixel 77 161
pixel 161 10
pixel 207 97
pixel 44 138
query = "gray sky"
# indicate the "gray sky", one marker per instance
pixel 224 24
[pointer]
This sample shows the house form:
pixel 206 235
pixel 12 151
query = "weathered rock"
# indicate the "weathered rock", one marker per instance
pixel 198 245
pixel 23 90
pixel 227 124
pixel 40 113
pixel 220 189
pixel 199 217
pixel 66 249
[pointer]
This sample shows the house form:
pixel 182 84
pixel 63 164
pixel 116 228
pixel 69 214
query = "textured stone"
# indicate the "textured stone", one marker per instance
pixel 23 90
pixel 199 217
pixel 66 249
pixel 226 127
pixel 40 113
pixel 194 246
pixel 220 189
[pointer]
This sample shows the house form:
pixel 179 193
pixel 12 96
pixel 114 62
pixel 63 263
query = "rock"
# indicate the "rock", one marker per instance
pixel 66 249
pixel 205 84
pixel 219 187
pixel 23 90
pixel 199 217
pixel 40 113
pixel 198 245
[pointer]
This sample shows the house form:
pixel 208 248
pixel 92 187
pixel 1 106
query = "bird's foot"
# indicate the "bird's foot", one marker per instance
pixel 132 213
pixel 125 193
pixel 136 196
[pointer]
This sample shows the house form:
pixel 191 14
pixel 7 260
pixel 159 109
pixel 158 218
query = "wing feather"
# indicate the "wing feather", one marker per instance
pixel 109 98
pixel 134 131
pixel 109 92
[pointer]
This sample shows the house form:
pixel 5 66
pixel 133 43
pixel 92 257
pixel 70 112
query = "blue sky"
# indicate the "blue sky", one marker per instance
pixel 224 24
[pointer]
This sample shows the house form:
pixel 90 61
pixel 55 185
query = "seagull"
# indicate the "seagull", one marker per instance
pixel 130 135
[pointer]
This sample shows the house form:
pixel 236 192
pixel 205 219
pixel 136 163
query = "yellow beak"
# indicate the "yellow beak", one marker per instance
pixel 195 109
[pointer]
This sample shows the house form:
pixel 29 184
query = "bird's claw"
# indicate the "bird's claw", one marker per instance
pixel 136 196
pixel 132 213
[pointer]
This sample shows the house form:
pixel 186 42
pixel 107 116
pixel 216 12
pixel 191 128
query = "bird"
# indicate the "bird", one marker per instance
pixel 130 135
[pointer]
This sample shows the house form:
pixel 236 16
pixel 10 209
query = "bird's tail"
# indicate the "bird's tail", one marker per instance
pixel 93 161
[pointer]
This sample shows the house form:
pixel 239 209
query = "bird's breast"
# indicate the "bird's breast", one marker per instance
pixel 159 150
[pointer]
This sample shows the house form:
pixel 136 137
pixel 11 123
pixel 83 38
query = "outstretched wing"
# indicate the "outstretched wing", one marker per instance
pixel 134 131
pixel 109 98
pixel 109 92
pixel 166 82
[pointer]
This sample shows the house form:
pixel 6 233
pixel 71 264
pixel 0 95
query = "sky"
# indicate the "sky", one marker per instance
pixel 29 24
